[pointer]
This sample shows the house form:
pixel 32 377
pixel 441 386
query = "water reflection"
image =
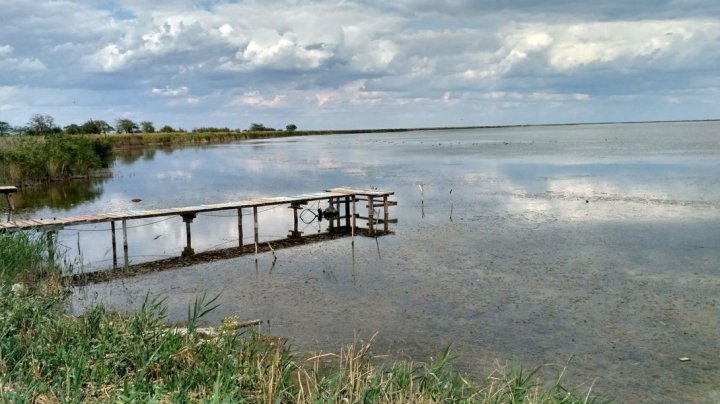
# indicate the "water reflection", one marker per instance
pixel 59 196
pixel 597 241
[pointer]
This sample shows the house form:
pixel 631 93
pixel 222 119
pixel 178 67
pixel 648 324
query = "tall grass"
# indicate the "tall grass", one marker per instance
pixel 28 160
pixel 24 257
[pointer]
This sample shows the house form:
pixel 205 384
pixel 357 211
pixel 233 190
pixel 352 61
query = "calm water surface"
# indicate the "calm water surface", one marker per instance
pixel 599 242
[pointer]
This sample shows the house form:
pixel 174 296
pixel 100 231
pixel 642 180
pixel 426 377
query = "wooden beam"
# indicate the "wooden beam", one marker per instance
pixel 240 229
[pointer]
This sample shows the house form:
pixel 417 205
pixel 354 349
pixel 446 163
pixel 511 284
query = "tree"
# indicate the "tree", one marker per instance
pixel 167 129
pixel 258 127
pixel 124 125
pixel 42 125
pixel 147 127
pixel 72 129
pixel 5 129
pixel 96 127
pixel 291 128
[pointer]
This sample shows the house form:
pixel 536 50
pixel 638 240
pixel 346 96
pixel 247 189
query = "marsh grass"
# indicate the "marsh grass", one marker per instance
pixel 29 160
pixel 24 258
pixel 48 356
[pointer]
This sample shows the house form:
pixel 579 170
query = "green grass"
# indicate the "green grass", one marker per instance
pixel 49 356
pixel 24 258
pixel 30 160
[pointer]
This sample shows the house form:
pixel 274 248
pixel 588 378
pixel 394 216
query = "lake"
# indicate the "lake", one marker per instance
pixel 534 244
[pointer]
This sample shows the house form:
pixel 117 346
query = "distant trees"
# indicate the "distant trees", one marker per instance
pixel 72 129
pixel 211 129
pixel 42 125
pixel 5 129
pixel 124 125
pixel 258 127
pixel 147 127
pixel 96 127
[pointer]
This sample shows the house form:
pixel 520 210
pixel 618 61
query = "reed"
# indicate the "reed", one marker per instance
pixel 31 160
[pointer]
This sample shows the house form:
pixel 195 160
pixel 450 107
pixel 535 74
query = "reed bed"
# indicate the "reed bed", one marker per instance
pixel 30 160
pixel 49 356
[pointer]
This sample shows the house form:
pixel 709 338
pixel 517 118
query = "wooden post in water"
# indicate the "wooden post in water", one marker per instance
pixel 114 244
pixel 125 242
pixel 50 244
pixel 331 221
pixel 240 229
pixel 352 226
pixel 188 251
pixel 386 217
pixel 257 232
pixel 347 211
pixel 371 215
pixel 295 232
pixel 10 201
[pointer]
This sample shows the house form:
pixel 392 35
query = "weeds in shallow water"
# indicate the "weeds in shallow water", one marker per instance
pixel 23 257
pixel 48 356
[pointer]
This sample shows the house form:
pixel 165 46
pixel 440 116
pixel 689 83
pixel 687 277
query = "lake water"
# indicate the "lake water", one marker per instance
pixel 596 242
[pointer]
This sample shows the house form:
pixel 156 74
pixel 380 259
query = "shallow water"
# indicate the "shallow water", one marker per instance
pixel 599 242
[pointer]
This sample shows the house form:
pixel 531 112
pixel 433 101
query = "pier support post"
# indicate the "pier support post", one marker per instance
pixel 10 201
pixel 337 209
pixel 240 229
pixel 386 216
pixel 125 242
pixel 50 238
pixel 352 226
pixel 295 233
pixel 114 244
pixel 188 251
pixel 347 211
pixel 257 231
pixel 371 215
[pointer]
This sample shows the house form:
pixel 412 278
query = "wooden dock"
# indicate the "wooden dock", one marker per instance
pixel 8 191
pixel 336 197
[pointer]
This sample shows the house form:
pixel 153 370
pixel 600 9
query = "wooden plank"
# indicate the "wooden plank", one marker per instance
pixel 8 189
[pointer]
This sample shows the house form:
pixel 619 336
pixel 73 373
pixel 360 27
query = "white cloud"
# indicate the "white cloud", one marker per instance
pixel 255 99
pixel 283 52
pixel 109 59
pixel 5 50
pixel 631 43
pixel 7 91
pixel 172 92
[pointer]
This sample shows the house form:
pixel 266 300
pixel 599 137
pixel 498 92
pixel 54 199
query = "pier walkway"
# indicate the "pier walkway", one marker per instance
pixel 336 197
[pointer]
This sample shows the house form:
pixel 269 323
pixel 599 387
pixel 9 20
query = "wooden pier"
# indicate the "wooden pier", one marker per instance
pixel 340 198
pixel 8 191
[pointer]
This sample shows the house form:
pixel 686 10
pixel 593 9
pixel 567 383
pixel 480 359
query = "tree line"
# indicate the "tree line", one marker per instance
pixel 44 125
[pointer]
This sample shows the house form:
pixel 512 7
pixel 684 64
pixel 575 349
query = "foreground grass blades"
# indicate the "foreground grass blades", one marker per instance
pixel 49 356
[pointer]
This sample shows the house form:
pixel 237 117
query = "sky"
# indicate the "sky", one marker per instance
pixel 349 64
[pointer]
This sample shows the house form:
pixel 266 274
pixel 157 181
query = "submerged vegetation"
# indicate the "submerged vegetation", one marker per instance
pixel 49 356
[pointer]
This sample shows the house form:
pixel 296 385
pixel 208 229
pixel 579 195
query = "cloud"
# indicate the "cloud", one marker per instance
pixel 172 92
pixel 255 99
pixel 362 62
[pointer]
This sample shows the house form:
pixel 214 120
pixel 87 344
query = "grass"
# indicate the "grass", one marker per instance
pixel 48 356
pixel 29 160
